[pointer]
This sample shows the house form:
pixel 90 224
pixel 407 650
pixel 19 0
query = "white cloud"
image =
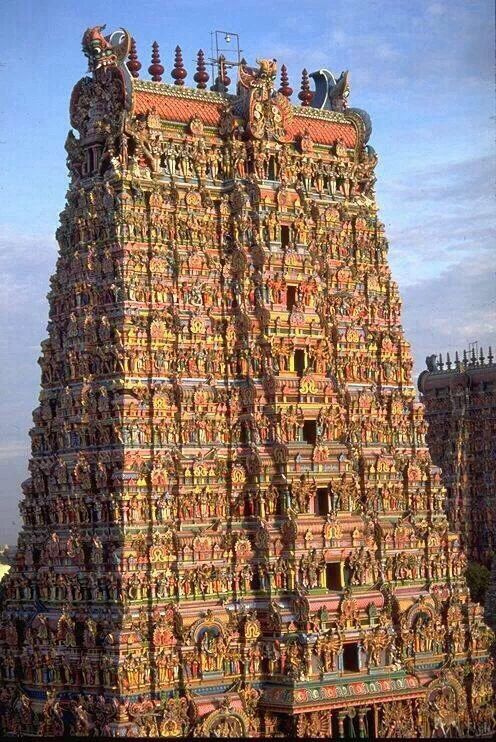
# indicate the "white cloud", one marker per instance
pixel 446 313
pixel 438 217
pixel 13 450
pixel 26 262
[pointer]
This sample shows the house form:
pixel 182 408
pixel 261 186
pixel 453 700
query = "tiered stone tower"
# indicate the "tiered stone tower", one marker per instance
pixel 232 525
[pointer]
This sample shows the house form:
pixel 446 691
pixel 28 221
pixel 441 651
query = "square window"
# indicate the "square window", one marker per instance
pixel 310 431
pixel 350 657
pixel 333 576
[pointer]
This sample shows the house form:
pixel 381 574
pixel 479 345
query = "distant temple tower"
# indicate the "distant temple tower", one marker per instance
pixel 460 401
pixel 232 526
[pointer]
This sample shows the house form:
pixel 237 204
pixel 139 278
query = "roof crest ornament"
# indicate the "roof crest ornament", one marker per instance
pixel 105 51
pixel 266 111
pixel 331 94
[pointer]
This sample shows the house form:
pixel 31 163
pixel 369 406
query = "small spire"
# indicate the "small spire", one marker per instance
pixel 133 63
pixel 155 69
pixel 201 77
pixel 222 81
pixel 285 88
pixel 224 78
pixel 305 94
pixel 490 356
pixel 179 72
pixel 457 361
pixel 441 363
pixel 465 360
pixel 448 361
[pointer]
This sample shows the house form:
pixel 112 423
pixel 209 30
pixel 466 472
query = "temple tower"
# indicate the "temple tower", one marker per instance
pixel 232 526
pixel 460 403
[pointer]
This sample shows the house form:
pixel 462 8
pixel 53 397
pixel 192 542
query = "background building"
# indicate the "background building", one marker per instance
pixel 233 526
pixel 460 403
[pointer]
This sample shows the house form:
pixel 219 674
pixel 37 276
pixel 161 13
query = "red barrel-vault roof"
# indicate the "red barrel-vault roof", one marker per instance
pixel 181 109
pixel 177 109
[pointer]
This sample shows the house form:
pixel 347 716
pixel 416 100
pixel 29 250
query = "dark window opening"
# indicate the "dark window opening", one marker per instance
pixel 369 725
pixel 310 431
pixel 272 168
pixel 290 297
pixel 350 657
pixel 284 235
pixel 104 166
pixel 79 631
pixel 299 361
pixel 322 501
pixel 21 633
pixel 335 726
pixel 255 583
pixel 333 576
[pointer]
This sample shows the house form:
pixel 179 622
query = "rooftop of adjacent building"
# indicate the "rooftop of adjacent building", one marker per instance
pixel 470 368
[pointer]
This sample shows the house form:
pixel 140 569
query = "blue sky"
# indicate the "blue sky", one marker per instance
pixel 423 70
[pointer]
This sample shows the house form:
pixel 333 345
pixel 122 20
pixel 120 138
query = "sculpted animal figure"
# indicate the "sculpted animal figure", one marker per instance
pixel 97 48
pixel 104 51
pixel 331 93
pixel 431 363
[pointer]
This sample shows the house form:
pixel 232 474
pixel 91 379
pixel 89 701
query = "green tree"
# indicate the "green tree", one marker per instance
pixel 478 578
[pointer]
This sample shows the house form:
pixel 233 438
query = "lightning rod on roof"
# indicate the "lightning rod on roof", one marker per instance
pixel 223 44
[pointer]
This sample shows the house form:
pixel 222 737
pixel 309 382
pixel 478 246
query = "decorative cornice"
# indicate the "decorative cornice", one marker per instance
pixel 172 91
pixel 356 120
pixel 343 689
pixel 320 114
pixel 211 96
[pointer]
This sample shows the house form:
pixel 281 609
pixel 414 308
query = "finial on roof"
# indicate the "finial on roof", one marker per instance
pixel 179 72
pixel 222 81
pixel 305 94
pixel 156 70
pixel 223 76
pixel 285 88
pixel 201 76
pixel 133 63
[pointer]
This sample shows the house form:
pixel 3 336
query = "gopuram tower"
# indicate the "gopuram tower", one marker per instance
pixel 232 525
